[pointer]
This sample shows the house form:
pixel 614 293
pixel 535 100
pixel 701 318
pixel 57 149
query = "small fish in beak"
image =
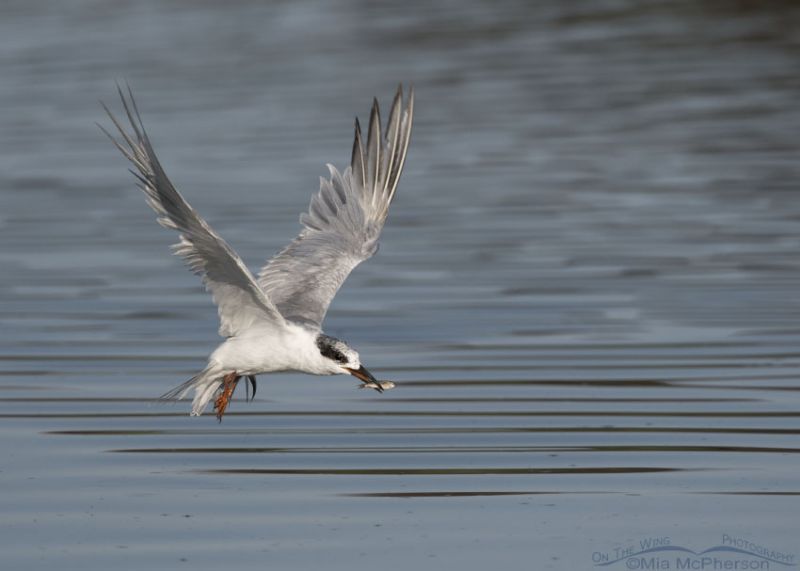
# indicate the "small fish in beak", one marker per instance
pixel 369 381
pixel 379 386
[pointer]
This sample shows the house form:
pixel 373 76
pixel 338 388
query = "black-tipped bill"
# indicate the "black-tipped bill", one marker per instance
pixel 365 376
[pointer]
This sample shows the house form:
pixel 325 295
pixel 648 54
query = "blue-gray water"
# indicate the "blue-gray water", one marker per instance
pixel 587 291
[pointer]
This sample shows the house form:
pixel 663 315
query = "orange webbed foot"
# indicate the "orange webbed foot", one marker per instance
pixel 229 383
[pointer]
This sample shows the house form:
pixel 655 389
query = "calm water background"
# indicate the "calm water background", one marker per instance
pixel 587 291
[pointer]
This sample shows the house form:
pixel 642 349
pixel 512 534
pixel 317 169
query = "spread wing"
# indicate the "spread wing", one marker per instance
pixel 242 304
pixel 343 222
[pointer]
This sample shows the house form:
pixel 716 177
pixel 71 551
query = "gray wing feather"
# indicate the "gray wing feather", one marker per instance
pixel 242 303
pixel 343 222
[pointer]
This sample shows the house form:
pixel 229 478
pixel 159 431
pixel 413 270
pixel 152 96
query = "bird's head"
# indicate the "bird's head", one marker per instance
pixel 343 358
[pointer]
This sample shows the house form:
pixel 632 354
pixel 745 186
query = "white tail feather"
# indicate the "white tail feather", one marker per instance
pixel 205 384
pixel 203 394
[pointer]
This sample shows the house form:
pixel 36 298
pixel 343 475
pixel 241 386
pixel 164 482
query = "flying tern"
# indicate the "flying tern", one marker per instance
pixel 274 322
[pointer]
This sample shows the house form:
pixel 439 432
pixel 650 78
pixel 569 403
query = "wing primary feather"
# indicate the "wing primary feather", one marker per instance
pixel 125 152
pixel 392 137
pixel 136 128
pixel 141 179
pixel 408 119
pixel 357 160
pixel 374 144
pixel 123 134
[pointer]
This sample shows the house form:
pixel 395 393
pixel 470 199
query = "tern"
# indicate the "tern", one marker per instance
pixel 274 322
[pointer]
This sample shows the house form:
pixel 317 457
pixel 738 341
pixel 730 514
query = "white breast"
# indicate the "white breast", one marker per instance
pixel 294 349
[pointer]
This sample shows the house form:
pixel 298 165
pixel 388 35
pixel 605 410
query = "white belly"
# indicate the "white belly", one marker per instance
pixel 294 349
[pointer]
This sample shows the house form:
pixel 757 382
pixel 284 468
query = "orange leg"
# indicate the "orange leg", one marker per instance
pixel 229 383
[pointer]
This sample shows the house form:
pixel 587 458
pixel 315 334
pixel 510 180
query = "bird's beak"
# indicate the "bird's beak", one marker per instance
pixel 363 374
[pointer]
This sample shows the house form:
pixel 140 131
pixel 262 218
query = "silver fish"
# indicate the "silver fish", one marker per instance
pixel 378 385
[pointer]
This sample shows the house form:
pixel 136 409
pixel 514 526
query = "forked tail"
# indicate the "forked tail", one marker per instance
pixel 205 385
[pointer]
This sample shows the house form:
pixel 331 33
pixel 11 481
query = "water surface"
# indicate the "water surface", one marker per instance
pixel 586 292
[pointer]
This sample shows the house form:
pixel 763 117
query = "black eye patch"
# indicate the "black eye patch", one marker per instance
pixel 332 353
pixel 327 350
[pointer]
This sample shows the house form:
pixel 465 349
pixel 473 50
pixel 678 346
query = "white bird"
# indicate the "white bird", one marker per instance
pixel 274 323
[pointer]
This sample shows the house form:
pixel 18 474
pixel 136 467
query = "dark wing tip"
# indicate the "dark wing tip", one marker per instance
pixel 357 158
